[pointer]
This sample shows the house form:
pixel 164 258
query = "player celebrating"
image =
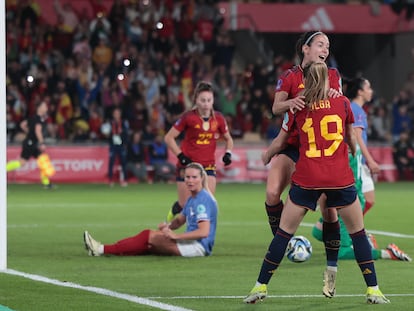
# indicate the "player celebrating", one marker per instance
pixel 323 126
pixel 34 146
pixel 200 213
pixel 312 46
pixel 202 127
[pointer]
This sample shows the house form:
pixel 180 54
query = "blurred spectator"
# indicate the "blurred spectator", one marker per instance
pixel 87 93
pixel 81 48
pixel 117 15
pixel 403 153
pixel 184 30
pixel 102 54
pixel 95 123
pixel 118 141
pixel 401 120
pixel 228 99
pixel 99 28
pixel 158 157
pixel 28 15
pixel 67 15
pixel 379 125
pixel 64 110
pixel 136 157
pixel 255 108
pixel 224 50
pixel 139 116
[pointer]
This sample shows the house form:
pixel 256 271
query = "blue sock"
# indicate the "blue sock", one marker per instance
pixel 274 255
pixel 363 256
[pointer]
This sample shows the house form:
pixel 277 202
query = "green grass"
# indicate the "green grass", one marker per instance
pixel 45 238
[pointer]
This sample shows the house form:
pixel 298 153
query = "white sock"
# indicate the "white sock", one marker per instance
pixel 385 254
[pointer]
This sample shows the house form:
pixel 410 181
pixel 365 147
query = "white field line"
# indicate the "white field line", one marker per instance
pixel 384 233
pixel 246 224
pixel 149 301
pixel 98 290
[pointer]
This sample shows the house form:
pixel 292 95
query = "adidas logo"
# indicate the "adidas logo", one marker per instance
pixel 318 21
pixel 366 271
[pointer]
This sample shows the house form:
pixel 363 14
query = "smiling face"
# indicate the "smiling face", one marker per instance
pixel 317 50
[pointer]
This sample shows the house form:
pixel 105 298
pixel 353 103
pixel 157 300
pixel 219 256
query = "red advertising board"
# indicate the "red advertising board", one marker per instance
pixel 89 164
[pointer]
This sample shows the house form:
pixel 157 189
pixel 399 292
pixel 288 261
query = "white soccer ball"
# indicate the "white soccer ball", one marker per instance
pixel 106 128
pixel 299 249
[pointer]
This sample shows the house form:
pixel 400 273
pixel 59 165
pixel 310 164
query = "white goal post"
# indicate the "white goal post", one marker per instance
pixel 3 141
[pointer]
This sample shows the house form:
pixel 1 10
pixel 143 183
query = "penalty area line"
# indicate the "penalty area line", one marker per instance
pixel 98 290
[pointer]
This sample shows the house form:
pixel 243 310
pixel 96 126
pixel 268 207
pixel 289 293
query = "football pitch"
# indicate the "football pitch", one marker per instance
pixel 49 269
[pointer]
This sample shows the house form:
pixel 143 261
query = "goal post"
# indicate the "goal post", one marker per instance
pixel 3 141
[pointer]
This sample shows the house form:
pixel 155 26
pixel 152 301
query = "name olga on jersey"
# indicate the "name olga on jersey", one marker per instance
pixel 322 104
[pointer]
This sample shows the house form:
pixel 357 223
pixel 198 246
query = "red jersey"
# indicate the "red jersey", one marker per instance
pixel 291 82
pixel 200 137
pixel 323 153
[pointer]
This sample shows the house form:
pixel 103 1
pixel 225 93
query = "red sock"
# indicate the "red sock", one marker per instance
pixel 133 246
pixel 368 206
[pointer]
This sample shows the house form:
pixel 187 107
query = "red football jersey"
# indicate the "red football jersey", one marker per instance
pixel 323 152
pixel 200 137
pixel 291 82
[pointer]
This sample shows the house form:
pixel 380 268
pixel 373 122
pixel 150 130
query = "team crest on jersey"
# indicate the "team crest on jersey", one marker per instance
pixel 206 125
pixel 214 125
pixel 197 126
pixel 301 86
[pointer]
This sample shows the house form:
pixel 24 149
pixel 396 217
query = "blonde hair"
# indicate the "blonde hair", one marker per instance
pixel 316 83
pixel 204 180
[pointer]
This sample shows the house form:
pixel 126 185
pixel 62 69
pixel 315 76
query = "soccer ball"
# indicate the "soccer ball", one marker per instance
pixel 106 128
pixel 299 249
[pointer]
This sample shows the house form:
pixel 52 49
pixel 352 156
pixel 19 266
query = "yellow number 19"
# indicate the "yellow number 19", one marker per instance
pixel 336 137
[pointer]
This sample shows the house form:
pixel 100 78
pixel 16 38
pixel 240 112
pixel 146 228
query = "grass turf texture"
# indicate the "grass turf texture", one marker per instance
pixel 45 238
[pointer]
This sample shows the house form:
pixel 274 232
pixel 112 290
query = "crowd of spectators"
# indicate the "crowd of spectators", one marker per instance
pixel 142 56
pixel 145 57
